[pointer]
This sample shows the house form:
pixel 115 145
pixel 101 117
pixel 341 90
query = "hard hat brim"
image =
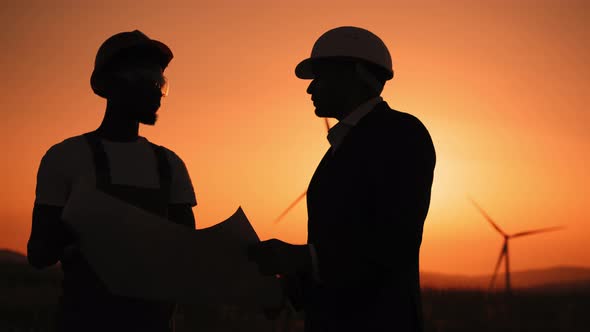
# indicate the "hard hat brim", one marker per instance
pixel 304 70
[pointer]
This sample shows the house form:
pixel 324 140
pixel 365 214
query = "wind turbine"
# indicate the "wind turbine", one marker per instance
pixel 288 315
pixel 504 251
pixel 300 197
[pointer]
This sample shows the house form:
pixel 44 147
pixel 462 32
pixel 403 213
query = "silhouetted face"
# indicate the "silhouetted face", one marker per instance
pixel 334 88
pixel 136 89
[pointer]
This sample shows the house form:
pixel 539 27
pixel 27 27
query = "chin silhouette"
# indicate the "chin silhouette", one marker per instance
pixel 148 119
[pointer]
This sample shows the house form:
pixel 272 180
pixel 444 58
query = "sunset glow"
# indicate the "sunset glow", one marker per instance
pixel 502 87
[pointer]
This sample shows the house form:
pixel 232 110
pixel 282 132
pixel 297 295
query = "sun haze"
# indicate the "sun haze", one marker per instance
pixel 502 87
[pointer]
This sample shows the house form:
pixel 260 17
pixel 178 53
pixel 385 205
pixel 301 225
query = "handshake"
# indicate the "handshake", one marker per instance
pixel 275 257
pixel 283 260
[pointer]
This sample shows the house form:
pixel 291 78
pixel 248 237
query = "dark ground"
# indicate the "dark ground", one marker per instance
pixel 28 302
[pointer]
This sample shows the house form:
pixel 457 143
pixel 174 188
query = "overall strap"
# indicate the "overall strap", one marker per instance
pixel 101 162
pixel 164 170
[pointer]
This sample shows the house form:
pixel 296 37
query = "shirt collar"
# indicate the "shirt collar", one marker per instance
pixel 363 109
pixel 337 133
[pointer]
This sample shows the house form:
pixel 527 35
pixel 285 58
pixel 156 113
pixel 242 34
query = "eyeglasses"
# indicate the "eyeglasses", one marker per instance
pixel 146 79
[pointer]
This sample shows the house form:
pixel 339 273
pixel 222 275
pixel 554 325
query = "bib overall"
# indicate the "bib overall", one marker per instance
pixel 86 304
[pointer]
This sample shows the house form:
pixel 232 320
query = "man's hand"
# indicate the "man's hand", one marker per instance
pixel 277 257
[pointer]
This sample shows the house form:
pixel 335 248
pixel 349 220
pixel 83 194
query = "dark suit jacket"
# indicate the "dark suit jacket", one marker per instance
pixel 367 204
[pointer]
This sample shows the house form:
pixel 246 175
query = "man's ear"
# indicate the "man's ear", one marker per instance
pixel 369 78
pixel 98 84
pixel 108 85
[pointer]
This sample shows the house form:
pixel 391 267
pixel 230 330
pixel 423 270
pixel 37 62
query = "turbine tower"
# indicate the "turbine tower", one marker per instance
pixel 300 197
pixel 504 253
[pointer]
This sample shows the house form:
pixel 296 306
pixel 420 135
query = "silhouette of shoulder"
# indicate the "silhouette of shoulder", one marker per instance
pixel 399 122
pixel 75 148
pixel 65 161
pixel 58 168
pixel 399 130
pixel 66 152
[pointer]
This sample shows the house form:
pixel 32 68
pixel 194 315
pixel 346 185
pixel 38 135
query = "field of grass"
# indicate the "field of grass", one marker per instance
pixel 455 310
pixel 28 302
pixel 32 308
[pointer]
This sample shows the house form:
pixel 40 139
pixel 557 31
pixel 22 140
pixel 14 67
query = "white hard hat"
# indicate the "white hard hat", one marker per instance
pixel 348 42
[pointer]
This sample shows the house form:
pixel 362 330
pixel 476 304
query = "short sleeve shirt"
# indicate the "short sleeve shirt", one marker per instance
pixel 131 163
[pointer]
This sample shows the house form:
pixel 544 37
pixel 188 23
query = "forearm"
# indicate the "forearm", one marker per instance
pixel 49 236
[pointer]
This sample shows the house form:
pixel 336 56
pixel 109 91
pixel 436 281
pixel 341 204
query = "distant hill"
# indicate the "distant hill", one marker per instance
pixel 13 257
pixel 563 277
pixel 15 269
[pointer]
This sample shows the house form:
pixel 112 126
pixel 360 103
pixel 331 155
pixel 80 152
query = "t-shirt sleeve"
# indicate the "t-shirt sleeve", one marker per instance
pixel 53 184
pixel 181 189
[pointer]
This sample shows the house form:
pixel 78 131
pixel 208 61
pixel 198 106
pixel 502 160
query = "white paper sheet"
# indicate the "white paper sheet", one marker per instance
pixel 143 255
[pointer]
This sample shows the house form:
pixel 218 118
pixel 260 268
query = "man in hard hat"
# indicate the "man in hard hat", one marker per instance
pixel 128 73
pixel 367 200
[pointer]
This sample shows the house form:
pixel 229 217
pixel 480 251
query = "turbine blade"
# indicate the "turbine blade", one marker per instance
pixel 502 254
pixel 327 124
pixel 537 231
pixel 290 207
pixel 488 218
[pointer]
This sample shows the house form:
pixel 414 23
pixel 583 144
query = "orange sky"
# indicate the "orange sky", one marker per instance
pixel 502 87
